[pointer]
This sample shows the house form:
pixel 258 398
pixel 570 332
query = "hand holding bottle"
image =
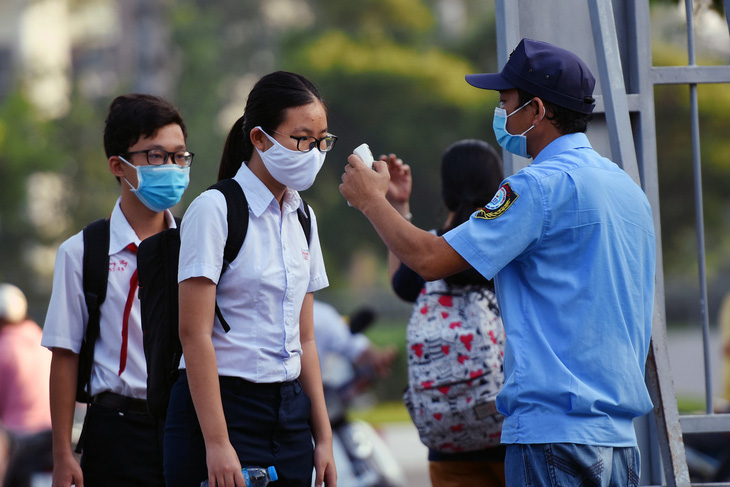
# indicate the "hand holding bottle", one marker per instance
pixel 255 476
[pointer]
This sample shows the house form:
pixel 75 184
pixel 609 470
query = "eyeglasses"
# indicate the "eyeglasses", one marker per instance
pixel 158 157
pixel 306 144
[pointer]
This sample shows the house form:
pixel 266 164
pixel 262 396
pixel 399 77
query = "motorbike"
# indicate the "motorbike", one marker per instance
pixel 708 456
pixel 362 457
pixel 29 460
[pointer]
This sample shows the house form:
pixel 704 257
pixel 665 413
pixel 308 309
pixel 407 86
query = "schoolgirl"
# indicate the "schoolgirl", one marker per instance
pixel 253 395
pixel 471 171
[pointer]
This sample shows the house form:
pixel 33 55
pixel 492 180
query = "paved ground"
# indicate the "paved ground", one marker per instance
pixel 686 360
pixel 410 453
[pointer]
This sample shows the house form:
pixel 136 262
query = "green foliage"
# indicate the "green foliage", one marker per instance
pixel 432 73
pixel 717 5
pixel 391 333
pixel 79 156
pixel 212 57
pixel 405 98
pixel 23 150
pixel 71 149
pixel 382 413
pixel 29 144
pixel 392 74
pixel 399 19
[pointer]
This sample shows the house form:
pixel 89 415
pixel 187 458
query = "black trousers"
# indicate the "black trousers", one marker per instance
pixel 121 448
pixel 268 424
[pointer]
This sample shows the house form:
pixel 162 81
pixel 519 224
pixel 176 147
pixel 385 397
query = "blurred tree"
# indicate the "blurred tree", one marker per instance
pixel 389 83
pixel 717 5
pixel 392 74
pixel 219 42
pixel 43 164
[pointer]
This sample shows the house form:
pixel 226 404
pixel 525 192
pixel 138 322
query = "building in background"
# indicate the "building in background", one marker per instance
pixel 102 45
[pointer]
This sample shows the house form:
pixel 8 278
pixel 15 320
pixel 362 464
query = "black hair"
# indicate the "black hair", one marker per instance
pixel 266 107
pixel 471 172
pixel 134 116
pixel 567 121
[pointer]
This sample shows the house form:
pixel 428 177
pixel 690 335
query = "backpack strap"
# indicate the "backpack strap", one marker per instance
pixel 305 220
pixel 95 279
pixel 237 219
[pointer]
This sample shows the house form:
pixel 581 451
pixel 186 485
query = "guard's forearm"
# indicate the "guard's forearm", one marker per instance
pixel 425 253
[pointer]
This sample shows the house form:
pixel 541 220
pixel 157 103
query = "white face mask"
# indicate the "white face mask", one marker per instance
pixel 294 169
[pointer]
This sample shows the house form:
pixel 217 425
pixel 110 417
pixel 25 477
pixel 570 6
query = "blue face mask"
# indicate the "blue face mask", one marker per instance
pixel 160 187
pixel 516 144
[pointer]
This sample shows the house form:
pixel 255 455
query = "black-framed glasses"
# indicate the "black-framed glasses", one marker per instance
pixel 307 143
pixel 158 157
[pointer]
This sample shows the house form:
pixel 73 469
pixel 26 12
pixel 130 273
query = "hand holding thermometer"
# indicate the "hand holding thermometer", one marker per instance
pixel 363 152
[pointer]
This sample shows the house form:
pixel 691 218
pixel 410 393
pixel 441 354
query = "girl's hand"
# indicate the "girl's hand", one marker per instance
pixel 401 182
pixel 224 468
pixel 324 465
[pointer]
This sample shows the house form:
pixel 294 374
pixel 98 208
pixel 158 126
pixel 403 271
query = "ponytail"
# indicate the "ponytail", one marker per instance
pixel 234 151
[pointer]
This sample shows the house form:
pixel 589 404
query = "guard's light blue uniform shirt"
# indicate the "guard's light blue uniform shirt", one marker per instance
pixel 570 239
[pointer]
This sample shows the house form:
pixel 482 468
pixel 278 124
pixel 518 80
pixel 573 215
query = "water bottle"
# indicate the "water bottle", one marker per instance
pixel 255 476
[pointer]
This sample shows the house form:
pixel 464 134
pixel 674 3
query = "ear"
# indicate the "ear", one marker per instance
pixel 116 166
pixel 539 108
pixel 259 139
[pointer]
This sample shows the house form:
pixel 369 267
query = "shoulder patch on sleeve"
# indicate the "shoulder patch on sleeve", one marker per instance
pixel 500 203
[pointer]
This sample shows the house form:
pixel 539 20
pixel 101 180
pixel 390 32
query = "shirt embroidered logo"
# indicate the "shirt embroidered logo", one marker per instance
pixel 500 203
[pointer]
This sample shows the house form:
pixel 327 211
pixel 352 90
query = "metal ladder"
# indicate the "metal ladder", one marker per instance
pixel 621 56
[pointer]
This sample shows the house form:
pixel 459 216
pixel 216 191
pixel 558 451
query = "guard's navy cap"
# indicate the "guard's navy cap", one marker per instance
pixel 546 71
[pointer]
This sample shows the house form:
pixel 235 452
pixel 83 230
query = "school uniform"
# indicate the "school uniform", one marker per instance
pixel 121 440
pixel 259 359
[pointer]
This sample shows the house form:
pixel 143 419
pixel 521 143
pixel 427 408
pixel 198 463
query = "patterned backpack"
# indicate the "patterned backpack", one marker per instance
pixel 455 343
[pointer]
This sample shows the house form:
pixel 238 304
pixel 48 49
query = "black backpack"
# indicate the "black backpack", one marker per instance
pixel 157 264
pixel 95 279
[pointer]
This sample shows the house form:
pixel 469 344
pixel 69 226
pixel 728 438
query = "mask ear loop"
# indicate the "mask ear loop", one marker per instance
pixel 518 109
pixel 260 129
pixel 135 170
pixel 544 112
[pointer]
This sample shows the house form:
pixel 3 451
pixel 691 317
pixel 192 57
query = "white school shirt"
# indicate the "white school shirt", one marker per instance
pixel 333 334
pixel 67 315
pixel 261 293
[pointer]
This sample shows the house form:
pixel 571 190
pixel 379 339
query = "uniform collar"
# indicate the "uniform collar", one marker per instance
pixel 561 144
pixel 121 233
pixel 259 197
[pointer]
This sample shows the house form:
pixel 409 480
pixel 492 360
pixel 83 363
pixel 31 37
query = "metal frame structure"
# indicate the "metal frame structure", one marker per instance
pixel 624 130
